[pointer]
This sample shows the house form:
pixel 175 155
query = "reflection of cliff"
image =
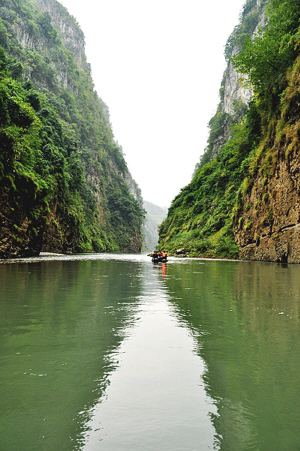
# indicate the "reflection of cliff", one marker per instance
pixel 65 319
pixel 247 329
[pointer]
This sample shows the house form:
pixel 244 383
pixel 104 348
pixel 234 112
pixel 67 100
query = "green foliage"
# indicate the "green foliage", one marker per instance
pixel 221 122
pixel 204 209
pixel 217 126
pixel 57 146
pixel 248 22
pixel 266 58
pixel 203 216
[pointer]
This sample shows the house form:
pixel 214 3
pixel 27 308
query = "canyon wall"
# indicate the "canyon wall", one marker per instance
pixel 64 183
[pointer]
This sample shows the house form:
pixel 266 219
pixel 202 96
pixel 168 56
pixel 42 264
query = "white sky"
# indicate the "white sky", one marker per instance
pixel 158 66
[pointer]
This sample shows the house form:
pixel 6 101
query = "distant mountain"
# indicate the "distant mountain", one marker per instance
pixel 155 216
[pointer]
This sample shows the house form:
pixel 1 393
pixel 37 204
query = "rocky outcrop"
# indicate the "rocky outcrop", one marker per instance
pixel 246 202
pixel 133 188
pixel 235 94
pixel 70 31
pixel 235 91
pixel 268 228
pixel 19 235
pixel 75 192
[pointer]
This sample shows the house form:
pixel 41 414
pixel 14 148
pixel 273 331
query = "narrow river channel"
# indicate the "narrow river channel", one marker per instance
pixel 111 352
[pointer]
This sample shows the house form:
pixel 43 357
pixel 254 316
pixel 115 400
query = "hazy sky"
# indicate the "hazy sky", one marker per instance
pixel 158 66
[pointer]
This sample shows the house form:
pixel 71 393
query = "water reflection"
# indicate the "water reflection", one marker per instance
pixel 155 399
pixel 245 317
pixel 112 352
pixel 60 323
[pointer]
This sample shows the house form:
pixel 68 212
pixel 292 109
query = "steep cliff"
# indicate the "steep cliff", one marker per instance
pixel 245 201
pixel 64 183
pixel 235 93
pixel 268 224
pixel 71 34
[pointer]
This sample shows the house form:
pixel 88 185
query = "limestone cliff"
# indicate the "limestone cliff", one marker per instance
pixel 64 183
pixel 70 32
pixel 268 228
pixel 235 93
pixel 244 198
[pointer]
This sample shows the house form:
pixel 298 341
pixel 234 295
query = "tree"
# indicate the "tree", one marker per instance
pixel 266 57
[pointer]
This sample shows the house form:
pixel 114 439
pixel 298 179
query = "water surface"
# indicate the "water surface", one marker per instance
pixel 114 353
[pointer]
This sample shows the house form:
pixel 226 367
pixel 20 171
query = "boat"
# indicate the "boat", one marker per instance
pixel 158 257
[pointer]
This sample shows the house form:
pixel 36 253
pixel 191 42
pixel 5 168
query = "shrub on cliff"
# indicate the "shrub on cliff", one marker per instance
pixel 74 157
pixel 206 210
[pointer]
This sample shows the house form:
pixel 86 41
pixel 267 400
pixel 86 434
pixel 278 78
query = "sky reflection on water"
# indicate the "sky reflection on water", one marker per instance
pixel 155 399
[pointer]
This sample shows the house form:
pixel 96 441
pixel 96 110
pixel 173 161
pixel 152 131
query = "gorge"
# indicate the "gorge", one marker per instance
pixel 64 183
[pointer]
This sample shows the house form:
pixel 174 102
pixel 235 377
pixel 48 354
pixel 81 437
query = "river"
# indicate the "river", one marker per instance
pixel 111 352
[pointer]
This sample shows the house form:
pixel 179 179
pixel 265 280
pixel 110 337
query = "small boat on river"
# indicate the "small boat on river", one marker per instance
pixel 159 257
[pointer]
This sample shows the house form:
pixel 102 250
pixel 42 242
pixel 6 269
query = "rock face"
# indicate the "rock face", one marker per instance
pixel 268 228
pixel 74 192
pixel 235 92
pixel 18 236
pixel 72 35
pixel 246 202
pixel 235 95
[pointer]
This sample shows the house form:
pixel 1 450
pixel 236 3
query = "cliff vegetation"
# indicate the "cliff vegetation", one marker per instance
pixel 245 201
pixel 64 183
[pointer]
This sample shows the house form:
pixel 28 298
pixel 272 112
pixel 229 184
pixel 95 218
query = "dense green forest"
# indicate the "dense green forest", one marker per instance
pixel 64 183
pixel 208 214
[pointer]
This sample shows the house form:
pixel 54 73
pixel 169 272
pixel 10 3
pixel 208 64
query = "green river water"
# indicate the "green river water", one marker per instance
pixel 111 352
